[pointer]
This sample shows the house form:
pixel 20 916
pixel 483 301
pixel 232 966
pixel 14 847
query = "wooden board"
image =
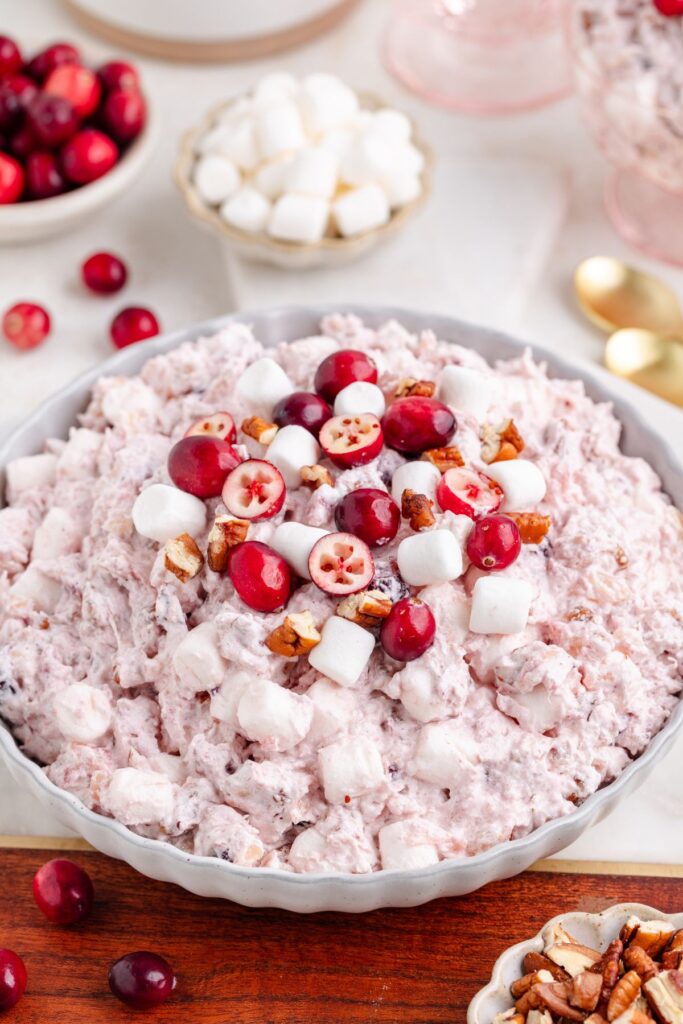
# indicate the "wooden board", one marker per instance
pixel 240 966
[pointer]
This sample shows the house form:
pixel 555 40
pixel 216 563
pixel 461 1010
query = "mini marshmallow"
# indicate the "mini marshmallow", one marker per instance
pixel 297 218
pixel 307 850
pixel 430 557
pixel 246 209
pixel 225 700
pixel 367 160
pixel 197 662
pixel 333 708
pixel 466 390
pixel 270 177
pixel 392 124
pixel 536 711
pixel 338 141
pixel 294 541
pixel 360 397
pixel 83 713
pixel 57 535
pixel 137 797
pixel 352 768
pixel 361 209
pixel 38 588
pixel 274 716
pixel 238 143
pixel 344 651
pixel 401 187
pixel 410 157
pixel 215 178
pixel 162 512
pixel 313 172
pixel 264 383
pixel 443 754
pixel 126 403
pixel 399 846
pixel 274 88
pixel 29 472
pixel 500 605
pixel 279 129
pixel 421 477
pixel 522 482
pixel 326 102
pixel 82 448
pixel 293 448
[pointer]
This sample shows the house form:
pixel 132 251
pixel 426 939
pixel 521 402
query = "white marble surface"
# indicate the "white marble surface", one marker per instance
pixel 516 204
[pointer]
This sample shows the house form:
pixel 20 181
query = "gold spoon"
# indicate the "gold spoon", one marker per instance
pixel 614 295
pixel 653 361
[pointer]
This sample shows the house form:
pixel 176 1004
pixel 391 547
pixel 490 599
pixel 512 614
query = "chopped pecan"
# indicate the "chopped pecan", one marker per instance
pixel 501 443
pixel 672 959
pixel 522 985
pixel 417 509
pixel 259 429
pixel 574 957
pixel 296 636
pixel 408 387
pixel 315 476
pixel 677 940
pixel 539 962
pixel 532 526
pixel 444 458
pixel 539 1017
pixel 529 1001
pixel 367 608
pixel 595 1018
pixel 624 994
pixel 621 557
pixel 183 558
pixel 556 998
pixel 636 959
pixel 609 966
pixel 580 614
pixel 585 991
pixel 665 995
pixel 652 936
pixel 226 533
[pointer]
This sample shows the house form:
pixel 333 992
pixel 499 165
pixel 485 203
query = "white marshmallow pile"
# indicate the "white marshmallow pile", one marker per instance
pixel 299 159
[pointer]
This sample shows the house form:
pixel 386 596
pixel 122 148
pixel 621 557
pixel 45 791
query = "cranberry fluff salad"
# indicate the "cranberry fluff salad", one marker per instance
pixel 359 601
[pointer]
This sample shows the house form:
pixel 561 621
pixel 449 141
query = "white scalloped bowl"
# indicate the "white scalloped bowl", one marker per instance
pixel 258 887
pixel 594 930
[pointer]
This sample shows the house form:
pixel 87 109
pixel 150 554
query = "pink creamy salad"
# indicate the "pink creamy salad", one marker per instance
pixel 480 740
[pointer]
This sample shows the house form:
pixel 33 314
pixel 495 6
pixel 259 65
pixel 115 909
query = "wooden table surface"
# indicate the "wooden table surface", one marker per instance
pixel 241 966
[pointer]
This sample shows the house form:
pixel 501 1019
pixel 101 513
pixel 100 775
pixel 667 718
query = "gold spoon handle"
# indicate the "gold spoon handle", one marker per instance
pixel 652 361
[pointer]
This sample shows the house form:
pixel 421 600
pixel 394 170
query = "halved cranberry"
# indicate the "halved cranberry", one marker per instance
pixel 254 490
pixel 409 630
pixel 494 543
pixel 123 114
pixel 52 119
pixel 669 8
pixel 260 576
pixel 26 325
pixel 302 409
pixel 371 514
pixel 340 563
pixel 119 74
pixel 142 980
pixel 200 465
pixel 63 891
pixel 11 60
pixel 412 425
pixel 88 155
pixel 50 58
pixel 44 178
pixel 12 979
pixel 352 440
pixel 341 369
pixel 134 323
pixel 220 424
pixel 104 273
pixel 12 179
pixel 468 492
pixel 80 86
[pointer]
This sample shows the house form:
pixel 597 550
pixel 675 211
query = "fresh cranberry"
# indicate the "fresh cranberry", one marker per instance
pixel 220 424
pixel 23 143
pixel 494 543
pixel 670 8
pixel 340 564
pixel 467 492
pixel 12 179
pixel 16 93
pixel 412 425
pixel 50 58
pixel 63 892
pixel 352 440
pixel 260 576
pixel 104 273
pixel 341 369
pixel 371 514
pixel 123 114
pixel 44 178
pixel 26 325
pixel 12 979
pixel 302 409
pixel 408 631
pixel 200 465
pixel 80 86
pixel 142 980
pixel 11 60
pixel 133 324
pixel 254 490
pixel 119 74
pixel 88 155
pixel 52 119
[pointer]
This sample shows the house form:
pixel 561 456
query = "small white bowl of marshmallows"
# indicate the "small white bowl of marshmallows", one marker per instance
pixel 303 172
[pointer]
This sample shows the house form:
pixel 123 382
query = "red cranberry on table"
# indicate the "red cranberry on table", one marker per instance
pixel 88 155
pixel 340 563
pixel 409 630
pixel 12 179
pixel 52 119
pixel 352 440
pixel 200 465
pixel 670 8
pixel 260 576
pixel 467 492
pixel 63 892
pixel 371 514
pixel 341 369
pixel 26 325
pixel 80 86
pixel 302 409
pixel 104 273
pixel 50 58
pixel 412 425
pixel 135 323
pixel 44 178
pixel 142 980
pixel 12 979
pixel 254 490
pixel 118 74
pixel 11 60
pixel 494 543
pixel 123 114
pixel 220 424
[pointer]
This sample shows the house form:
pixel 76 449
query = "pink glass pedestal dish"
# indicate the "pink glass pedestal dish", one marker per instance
pixel 647 216
pixel 480 56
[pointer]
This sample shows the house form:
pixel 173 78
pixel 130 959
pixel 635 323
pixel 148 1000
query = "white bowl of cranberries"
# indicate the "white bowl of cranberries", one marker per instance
pixel 72 137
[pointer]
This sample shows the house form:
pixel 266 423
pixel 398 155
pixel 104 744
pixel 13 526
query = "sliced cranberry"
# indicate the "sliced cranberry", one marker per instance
pixel 352 440
pixel 670 8
pixel 341 369
pixel 12 179
pixel 133 324
pixel 494 543
pixel 371 514
pixel 409 630
pixel 24 142
pixel 260 576
pixel 63 892
pixel 50 58
pixel 88 155
pixel 412 425
pixel 104 273
pixel 12 979
pixel 302 409
pixel 254 490
pixel 11 60
pixel 340 563
pixel 44 178
pixel 468 492
pixel 142 980
pixel 123 114
pixel 200 465
pixel 26 325
pixel 220 424
pixel 119 74
pixel 80 86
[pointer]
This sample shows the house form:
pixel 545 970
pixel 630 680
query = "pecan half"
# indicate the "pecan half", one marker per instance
pixel 296 636
pixel 417 509
pixel 183 558
pixel 501 443
pixel 408 387
pixel 608 967
pixel 259 429
pixel 636 959
pixel 226 533
pixel 531 525
pixel 585 991
pixel 624 994
pixel 367 608
pixel 315 476
pixel 444 458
